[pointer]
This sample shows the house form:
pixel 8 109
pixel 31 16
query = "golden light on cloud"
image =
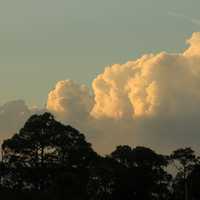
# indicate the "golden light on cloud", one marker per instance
pixel 162 87
pixel 153 98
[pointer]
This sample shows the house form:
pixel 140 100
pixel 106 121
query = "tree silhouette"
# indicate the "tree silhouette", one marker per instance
pixel 49 160
pixel 145 176
pixel 42 148
pixel 194 180
pixel 184 161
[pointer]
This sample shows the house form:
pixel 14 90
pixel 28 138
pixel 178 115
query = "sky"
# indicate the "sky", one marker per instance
pixel 44 41
pixel 122 72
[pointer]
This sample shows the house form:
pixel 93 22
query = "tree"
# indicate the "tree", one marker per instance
pixel 43 150
pixel 144 176
pixel 102 182
pixel 194 180
pixel 184 160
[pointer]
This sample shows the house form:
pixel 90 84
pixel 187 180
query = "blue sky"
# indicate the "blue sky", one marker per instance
pixel 43 41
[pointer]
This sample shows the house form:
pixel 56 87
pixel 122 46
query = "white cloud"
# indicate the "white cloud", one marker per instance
pixel 162 84
pixel 148 101
pixel 152 101
pixel 70 102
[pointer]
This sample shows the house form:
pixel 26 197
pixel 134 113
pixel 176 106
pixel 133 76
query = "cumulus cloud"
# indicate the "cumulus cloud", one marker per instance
pixel 162 84
pixel 70 102
pixel 152 100
pixel 194 45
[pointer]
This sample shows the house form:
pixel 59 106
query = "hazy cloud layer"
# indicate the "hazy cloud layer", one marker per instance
pixel 192 20
pixel 12 116
pixel 152 101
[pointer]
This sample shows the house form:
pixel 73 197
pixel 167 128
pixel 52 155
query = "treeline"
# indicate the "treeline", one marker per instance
pixel 48 160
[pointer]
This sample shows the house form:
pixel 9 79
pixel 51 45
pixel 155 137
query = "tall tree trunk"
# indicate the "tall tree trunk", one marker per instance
pixel 42 156
pixel 185 184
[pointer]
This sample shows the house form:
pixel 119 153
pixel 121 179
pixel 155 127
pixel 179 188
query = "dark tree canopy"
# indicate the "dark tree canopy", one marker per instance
pixel 49 160
pixel 41 149
pixel 145 175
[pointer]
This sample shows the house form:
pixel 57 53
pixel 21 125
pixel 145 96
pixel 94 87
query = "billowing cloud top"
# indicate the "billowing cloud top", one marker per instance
pixel 141 101
pixel 153 101
pixel 162 84
pixel 70 100
pixel 194 48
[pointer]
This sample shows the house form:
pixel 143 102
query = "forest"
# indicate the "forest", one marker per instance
pixel 49 160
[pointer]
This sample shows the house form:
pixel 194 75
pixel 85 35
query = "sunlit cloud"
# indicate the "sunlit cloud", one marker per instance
pixel 147 101
pixel 152 101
